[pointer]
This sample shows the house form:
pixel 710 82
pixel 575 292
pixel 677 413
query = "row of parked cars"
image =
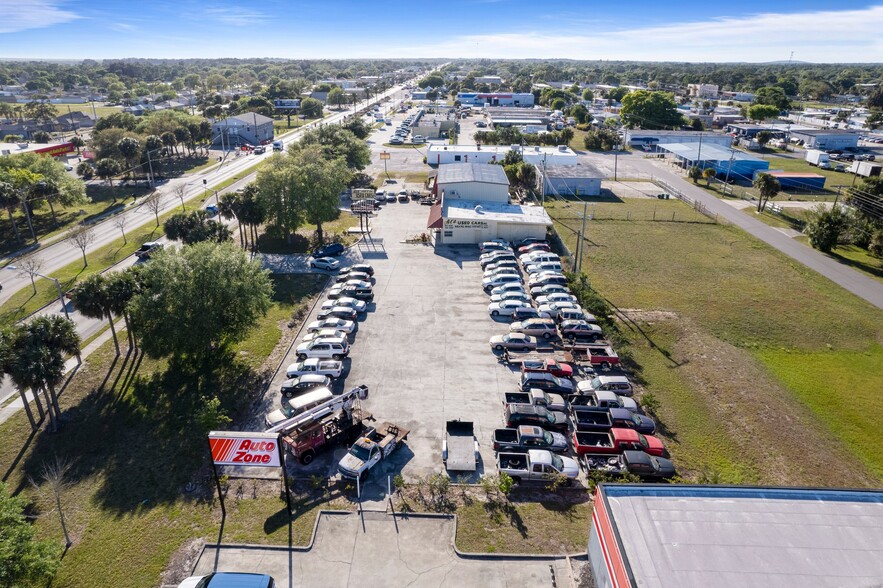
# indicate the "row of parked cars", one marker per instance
pixel 326 343
pixel 563 415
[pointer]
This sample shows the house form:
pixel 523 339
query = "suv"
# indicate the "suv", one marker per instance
pixel 516 415
pixel 147 249
pixel 330 348
pixel 330 250
pixel 546 382
pixel 537 327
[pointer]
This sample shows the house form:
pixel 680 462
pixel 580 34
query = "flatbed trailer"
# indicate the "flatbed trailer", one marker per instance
pixel 460 448
pixel 519 358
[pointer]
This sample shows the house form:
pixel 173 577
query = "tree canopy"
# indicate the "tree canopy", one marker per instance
pixel 337 142
pixel 762 111
pixel 214 289
pixel 24 560
pixel 650 110
pixel 773 96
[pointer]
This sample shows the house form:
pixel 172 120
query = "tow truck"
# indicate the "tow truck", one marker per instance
pixel 370 449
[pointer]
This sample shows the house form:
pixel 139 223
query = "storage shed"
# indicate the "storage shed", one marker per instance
pixel 472 181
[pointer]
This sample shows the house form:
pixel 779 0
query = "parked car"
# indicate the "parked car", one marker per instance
pixel 555 297
pixel 513 295
pixel 323 367
pixel 528 241
pixel 617 384
pixel 526 437
pixel 538 327
pixel 552 310
pixel 341 312
pixel 359 267
pixel 537 465
pixel 391 197
pixel 504 307
pixel 546 280
pixel 580 330
pixel 538 291
pixel 498 280
pixel 330 250
pixel 295 386
pixel 549 365
pixel 352 291
pixel 335 348
pixel 513 341
pixel 502 264
pixel 148 249
pixel 500 271
pixel 515 415
pixel 362 277
pixel 510 287
pixel 524 313
pixel 322 333
pixel 357 305
pixel 495 259
pixel 325 263
pixel 229 579
pixel 547 382
pixel 332 323
pixel 545 266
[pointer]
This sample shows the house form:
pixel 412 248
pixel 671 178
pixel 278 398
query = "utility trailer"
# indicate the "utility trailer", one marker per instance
pixel 460 447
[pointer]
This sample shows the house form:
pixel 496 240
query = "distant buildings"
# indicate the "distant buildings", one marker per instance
pixel 707 91
pixel 248 128
pixel 826 139
pixel 445 154
pixel 525 99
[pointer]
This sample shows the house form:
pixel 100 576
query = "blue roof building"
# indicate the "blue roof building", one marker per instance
pixel 726 162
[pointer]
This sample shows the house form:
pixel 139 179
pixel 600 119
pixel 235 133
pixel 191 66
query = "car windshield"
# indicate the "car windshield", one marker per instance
pixel 360 452
pixel 596 383
pixel 557 463
pixel 547 437
pixel 287 410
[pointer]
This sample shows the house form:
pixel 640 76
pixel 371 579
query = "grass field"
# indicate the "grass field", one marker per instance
pixel 734 304
pixel 127 430
pixel 87 108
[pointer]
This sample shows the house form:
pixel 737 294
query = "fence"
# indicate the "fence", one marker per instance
pixel 695 204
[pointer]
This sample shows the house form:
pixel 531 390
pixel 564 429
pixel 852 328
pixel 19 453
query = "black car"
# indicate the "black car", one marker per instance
pixel 330 250
pixel 546 382
pixel 347 314
pixel 359 267
pixel 537 416
pixel 366 294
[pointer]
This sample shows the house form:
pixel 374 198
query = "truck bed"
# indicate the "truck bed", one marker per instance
pixel 389 433
pixel 460 444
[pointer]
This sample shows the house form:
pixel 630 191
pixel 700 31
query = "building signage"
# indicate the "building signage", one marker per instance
pixel 457 223
pixel 56 150
pixel 249 449
pixel 294 103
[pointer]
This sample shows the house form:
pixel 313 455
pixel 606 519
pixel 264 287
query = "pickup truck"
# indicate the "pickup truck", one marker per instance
pixel 525 437
pixel 460 448
pixel 590 419
pixel 643 465
pixel 602 399
pixel 600 355
pixel 306 441
pixel 617 440
pixel 314 365
pixel 537 465
pixel 515 415
pixel 370 449
pixel 620 417
pixel 549 364
pixel 537 398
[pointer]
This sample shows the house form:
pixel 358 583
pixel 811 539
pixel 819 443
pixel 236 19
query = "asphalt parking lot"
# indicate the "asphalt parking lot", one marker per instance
pixel 422 348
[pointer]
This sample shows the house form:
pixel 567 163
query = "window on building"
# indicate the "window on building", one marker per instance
pixel 449 233
pixel 456 158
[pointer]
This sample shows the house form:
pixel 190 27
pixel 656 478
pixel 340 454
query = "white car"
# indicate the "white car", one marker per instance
pixel 546 266
pixel 504 307
pixel 396 140
pixel 501 270
pixel 324 367
pixel 492 282
pixel 549 289
pixel 335 348
pixel 552 310
pixel 516 295
pixel 496 253
pixel 357 305
pixel 555 297
pixel 503 263
pixel 513 287
pixel 322 333
pixel 222 579
pixel 325 263
pixel 332 323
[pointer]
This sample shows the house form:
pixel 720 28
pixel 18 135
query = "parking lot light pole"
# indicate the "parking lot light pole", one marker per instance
pixel 57 285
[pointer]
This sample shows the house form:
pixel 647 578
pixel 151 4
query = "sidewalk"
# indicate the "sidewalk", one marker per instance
pixel 71 364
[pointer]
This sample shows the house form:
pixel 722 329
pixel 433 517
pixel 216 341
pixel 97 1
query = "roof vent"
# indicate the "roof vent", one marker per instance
pixel 562 147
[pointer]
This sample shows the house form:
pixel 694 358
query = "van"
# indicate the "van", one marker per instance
pixel 278 145
pixel 617 384
pixel 291 407
pixel 539 257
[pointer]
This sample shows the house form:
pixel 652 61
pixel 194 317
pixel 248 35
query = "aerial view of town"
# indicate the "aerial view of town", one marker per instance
pixel 485 294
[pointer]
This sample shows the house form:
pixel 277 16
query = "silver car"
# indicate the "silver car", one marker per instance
pixel 544 328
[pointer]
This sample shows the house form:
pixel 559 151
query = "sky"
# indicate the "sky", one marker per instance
pixel 684 30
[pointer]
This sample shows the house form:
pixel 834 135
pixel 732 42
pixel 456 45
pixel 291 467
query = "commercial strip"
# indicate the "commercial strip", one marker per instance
pixel 445 154
pixel 698 536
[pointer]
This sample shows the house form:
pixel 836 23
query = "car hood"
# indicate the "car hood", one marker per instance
pixel 645 424
pixel 655 446
pixel 497 339
pixel 516 326
pixel 559 441
pixel 556 399
pixel 571 468
pixel 350 464
pixel 584 386
pixel 190 582
pixel 560 417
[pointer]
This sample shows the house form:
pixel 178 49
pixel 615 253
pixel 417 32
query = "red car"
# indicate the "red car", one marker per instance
pixel 552 366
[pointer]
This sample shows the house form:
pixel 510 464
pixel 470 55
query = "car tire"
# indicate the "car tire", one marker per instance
pixel 307 457
pixel 547 335
pixel 498 348
pixel 605 365
pixel 525 349
pixel 516 480
pixel 337 357
pixel 301 356
pixel 495 313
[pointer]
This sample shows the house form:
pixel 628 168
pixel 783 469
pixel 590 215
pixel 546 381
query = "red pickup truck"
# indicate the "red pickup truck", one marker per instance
pixel 600 355
pixel 550 365
pixel 616 441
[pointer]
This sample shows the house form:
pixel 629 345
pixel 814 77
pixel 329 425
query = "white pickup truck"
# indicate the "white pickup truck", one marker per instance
pixel 537 465
pixel 314 365
pixel 370 449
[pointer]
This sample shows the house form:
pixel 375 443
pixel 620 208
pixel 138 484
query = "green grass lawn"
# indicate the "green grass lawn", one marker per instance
pixel 87 108
pixel 738 293
pixel 859 259
pixel 128 430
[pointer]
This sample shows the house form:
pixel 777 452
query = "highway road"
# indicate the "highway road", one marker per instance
pixel 850 279
pixel 60 254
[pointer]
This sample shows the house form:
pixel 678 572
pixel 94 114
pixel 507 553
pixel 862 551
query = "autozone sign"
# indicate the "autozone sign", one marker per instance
pixel 250 449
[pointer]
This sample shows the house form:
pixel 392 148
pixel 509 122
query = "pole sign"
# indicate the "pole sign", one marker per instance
pixel 244 449
pixel 279 103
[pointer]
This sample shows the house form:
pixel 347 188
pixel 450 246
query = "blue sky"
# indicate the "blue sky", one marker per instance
pixel 748 30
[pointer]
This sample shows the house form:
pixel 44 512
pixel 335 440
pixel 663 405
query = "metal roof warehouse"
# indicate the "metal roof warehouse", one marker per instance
pixel 724 161
pixel 665 535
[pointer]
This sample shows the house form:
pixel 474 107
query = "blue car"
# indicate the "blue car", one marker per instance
pixel 229 580
pixel 330 250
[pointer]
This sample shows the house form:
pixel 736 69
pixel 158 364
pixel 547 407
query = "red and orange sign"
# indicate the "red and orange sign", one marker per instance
pixel 244 449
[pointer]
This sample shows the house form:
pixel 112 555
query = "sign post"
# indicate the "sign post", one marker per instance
pixel 384 155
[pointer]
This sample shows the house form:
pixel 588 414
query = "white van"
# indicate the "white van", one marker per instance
pixel 539 257
pixel 618 384
pixel 291 407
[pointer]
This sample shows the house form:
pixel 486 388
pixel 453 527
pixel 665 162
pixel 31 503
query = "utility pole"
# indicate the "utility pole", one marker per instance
pixel 150 167
pixel 581 237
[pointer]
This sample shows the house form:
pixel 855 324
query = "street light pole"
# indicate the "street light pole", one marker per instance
pixel 57 286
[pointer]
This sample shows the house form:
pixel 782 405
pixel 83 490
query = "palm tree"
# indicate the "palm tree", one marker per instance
pixel 38 358
pixel 120 288
pixel 9 200
pixel 767 187
pixel 169 141
pixel 106 169
pixel 7 337
pixel 91 298
pixel 251 211
pixel 229 207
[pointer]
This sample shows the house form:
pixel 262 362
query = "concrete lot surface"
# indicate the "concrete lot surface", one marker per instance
pixel 376 549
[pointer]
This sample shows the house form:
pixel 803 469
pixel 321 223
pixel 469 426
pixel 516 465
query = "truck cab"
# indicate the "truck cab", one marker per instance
pixel 537 465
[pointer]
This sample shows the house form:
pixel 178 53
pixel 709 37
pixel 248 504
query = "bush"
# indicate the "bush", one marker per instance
pixel 875 247
pixel 210 416
pixel 601 140
pixel 824 228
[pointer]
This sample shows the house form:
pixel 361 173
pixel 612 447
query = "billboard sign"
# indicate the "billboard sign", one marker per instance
pixel 56 150
pixel 280 103
pixel 244 449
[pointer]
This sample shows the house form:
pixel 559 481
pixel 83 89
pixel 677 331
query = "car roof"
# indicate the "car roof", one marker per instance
pixel 238 580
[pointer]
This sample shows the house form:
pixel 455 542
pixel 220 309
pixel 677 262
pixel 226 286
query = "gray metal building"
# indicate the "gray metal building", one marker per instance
pixel 569 180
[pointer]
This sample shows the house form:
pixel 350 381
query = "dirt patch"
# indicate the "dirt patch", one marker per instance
pixel 771 429
pixel 181 563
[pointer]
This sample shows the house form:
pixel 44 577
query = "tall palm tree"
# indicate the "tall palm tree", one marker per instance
pixel 91 298
pixel 48 191
pixel 229 207
pixel 251 213
pixel 129 148
pixel 9 201
pixel 7 336
pixel 39 351
pixel 767 187
pixel 121 287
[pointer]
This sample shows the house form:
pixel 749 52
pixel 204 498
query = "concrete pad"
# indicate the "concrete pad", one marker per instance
pixel 375 549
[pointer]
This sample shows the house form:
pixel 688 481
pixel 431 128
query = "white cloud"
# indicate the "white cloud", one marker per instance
pixel 822 36
pixel 21 15
pixel 236 16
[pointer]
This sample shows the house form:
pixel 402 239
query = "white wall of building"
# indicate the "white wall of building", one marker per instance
pixel 475 191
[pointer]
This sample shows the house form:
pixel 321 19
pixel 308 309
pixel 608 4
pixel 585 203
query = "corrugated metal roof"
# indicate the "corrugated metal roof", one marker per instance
pixel 472 172
pixel 707 152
